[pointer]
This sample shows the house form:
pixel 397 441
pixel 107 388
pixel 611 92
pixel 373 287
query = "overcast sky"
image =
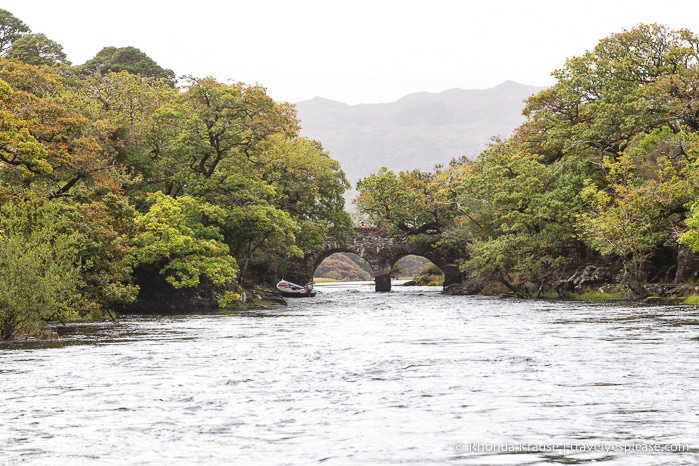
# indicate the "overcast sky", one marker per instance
pixel 356 51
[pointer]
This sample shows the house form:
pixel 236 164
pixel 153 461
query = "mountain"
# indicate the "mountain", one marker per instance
pixel 417 131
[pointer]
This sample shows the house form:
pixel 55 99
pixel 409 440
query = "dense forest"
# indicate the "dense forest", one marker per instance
pixel 123 188
pixel 602 177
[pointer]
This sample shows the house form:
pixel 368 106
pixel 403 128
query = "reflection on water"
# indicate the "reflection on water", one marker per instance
pixel 356 377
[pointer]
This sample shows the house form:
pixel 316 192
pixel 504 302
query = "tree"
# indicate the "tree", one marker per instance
pixel 21 155
pixel 40 277
pixel 72 148
pixel 619 121
pixel 410 203
pixel 642 206
pixel 38 50
pixel 52 151
pixel 172 237
pixel 129 59
pixel 228 149
pixel 595 108
pixel 139 122
pixel 516 215
pixel 11 29
pixel 229 121
pixel 308 184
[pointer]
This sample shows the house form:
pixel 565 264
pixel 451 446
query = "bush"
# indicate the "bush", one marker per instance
pixel 40 279
pixel 430 276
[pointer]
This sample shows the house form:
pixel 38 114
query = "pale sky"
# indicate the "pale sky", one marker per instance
pixel 357 51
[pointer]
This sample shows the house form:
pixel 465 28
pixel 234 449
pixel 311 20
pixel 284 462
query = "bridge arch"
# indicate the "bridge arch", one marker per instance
pixel 381 251
pixel 345 266
pixel 411 261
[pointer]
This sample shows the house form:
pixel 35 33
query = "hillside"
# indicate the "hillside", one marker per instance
pixel 416 131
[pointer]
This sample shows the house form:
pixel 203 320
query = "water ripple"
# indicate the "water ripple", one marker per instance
pixel 355 377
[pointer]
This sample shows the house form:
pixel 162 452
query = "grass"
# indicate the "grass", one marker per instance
pixel 325 280
pixel 691 299
pixel 596 295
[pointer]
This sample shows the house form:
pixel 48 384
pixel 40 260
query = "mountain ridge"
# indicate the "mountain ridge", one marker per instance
pixel 417 131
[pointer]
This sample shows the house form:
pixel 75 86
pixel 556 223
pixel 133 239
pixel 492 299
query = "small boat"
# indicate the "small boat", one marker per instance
pixel 292 290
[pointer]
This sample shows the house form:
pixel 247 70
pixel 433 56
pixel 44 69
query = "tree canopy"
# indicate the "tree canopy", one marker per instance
pixel 11 29
pixel 119 190
pixel 602 171
pixel 128 59
pixel 38 50
pixel 131 190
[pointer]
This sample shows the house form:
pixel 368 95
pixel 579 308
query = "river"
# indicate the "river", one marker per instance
pixel 353 377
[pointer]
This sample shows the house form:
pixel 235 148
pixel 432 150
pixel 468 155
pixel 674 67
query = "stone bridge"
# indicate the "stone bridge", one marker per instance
pixel 381 251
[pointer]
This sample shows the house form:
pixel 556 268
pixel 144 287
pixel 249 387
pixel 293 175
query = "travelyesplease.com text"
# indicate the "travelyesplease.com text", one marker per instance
pixel 520 447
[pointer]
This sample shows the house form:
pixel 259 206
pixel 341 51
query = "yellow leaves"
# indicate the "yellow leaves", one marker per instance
pixel 172 234
pixel 5 91
pixel 28 78
pixel 295 251
pixel 229 298
pixel 594 196
pixel 44 141
pixel 19 149
pixel 691 236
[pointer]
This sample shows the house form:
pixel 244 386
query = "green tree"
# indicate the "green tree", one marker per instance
pixel 38 50
pixel 229 122
pixel 236 147
pixel 129 59
pixel 136 120
pixel 409 203
pixel 50 148
pixel 517 214
pixel 40 277
pixel 172 237
pixel 11 29
pixel 307 184
pixel 642 206
pixel 600 126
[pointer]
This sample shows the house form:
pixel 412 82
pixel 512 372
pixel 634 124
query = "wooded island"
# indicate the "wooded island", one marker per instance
pixel 123 188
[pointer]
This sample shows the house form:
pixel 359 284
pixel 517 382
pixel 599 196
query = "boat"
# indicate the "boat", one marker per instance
pixel 292 290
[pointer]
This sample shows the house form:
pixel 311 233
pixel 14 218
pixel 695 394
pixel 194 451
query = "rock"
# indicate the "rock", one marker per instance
pixel 589 276
pixel 462 289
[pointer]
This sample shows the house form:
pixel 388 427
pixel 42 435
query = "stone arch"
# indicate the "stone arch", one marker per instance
pixel 381 251
pixel 380 263
pixel 409 254
pixel 353 256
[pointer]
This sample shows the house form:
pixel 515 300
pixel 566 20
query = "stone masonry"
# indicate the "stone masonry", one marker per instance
pixel 381 251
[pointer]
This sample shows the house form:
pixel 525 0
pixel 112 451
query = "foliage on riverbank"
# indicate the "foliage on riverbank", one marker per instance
pixel 603 172
pixel 429 276
pixel 122 186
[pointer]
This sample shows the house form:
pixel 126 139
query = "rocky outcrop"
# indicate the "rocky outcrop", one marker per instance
pixel 687 265
pixel 462 289
pixel 587 277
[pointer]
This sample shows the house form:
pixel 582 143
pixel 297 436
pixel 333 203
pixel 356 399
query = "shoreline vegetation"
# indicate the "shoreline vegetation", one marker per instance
pixel 262 298
pixel 126 189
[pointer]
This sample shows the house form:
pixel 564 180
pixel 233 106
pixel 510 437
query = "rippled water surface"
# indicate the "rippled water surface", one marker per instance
pixel 355 377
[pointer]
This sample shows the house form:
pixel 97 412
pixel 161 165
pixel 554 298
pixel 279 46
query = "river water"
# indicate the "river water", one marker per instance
pixel 353 377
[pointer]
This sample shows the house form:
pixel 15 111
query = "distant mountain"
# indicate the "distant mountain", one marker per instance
pixel 417 131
